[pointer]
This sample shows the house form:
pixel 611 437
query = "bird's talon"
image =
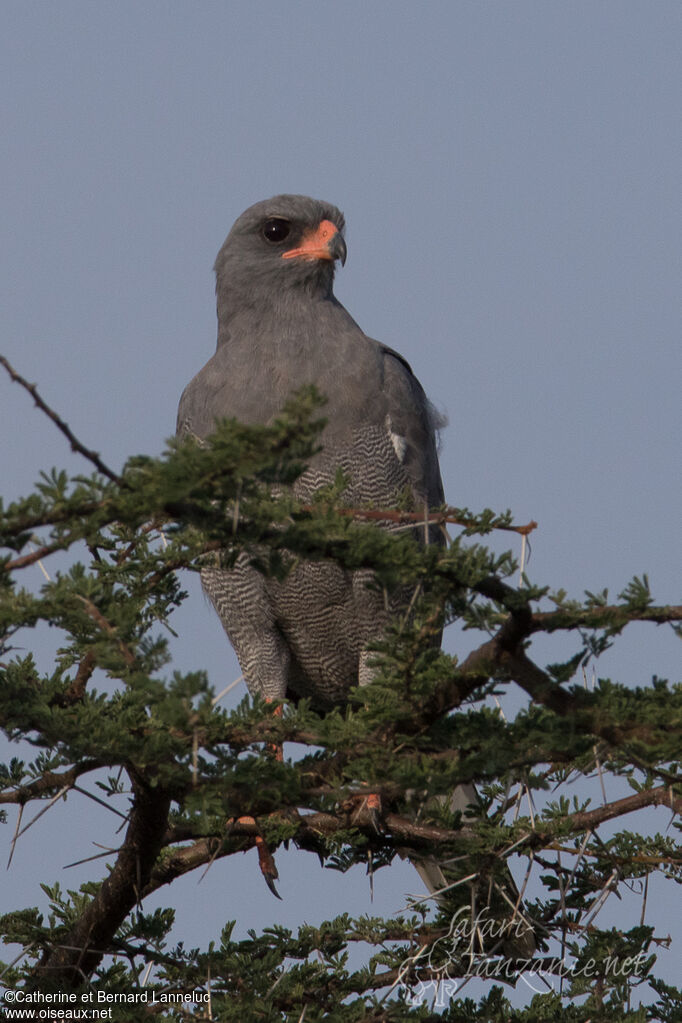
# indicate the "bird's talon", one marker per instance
pixel 267 865
pixel 266 860
pixel 270 882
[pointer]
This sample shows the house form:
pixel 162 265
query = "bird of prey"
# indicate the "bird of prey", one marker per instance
pixel 281 327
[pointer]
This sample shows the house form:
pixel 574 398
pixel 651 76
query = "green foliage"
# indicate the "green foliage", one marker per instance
pixel 195 782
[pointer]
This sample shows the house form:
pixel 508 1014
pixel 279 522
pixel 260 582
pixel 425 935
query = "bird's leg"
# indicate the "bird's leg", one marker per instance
pixel 375 810
pixel 275 747
pixel 372 804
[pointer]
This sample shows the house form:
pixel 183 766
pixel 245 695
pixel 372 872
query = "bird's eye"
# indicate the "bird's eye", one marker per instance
pixel 276 229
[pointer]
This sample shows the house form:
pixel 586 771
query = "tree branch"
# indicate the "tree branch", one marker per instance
pixel 76 445
pixel 50 782
pixel 661 796
pixel 616 615
pixel 313 829
pixel 69 963
pixel 448 516
pixel 25 560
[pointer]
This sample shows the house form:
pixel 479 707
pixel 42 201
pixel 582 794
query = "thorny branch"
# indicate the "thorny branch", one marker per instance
pixel 312 830
pixel 76 956
pixel 608 616
pixel 108 629
pixel 447 516
pixel 76 445
pixel 49 782
pixel 140 870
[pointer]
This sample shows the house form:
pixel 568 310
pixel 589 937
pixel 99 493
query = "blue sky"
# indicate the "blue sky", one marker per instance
pixel 510 175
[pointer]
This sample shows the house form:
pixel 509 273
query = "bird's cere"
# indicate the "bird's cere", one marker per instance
pixel 325 242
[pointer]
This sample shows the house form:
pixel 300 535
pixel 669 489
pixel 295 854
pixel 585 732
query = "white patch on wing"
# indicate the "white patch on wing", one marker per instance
pixel 399 443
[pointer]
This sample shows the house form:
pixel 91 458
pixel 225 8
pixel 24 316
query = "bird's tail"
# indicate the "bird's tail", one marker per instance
pixel 482 897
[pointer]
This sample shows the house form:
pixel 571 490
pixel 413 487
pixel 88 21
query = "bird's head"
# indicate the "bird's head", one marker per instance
pixel 280 246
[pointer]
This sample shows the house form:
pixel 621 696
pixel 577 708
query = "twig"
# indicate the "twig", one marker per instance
pixel 76 690
pixel 96 799
pixel 107 627
pixel 613 616
pixel 646 892
pixel 514 906
pixel 210 863
pixel 441 891
pixel 195 757
pixel 564 912
pixel 529 796
pixel 524 553
pixel 510 848
pixel 76 445
pixel 581 853
pixel 517 802
pixel 40 813
pixel 595 748
pixel 410 607
pixel 606 890
pixel 278 980
pixel 24 560
pixel 226 690
pixel 16 835
pixel 208 989
pixel 50 780
pixel 522 890
pixel 439 518
pixel 24 952
pixel 42 568
pixel 88 859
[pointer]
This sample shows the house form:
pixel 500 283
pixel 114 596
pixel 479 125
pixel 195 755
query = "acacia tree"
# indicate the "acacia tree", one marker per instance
pixel 196 783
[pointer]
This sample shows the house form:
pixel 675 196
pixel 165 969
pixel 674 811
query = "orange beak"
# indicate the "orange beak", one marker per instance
pixel 324 242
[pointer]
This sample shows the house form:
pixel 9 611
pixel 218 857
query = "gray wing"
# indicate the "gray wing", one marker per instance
pixel 413 423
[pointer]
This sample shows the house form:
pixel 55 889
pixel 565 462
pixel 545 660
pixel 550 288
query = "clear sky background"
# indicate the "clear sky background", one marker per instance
pixel 510 175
